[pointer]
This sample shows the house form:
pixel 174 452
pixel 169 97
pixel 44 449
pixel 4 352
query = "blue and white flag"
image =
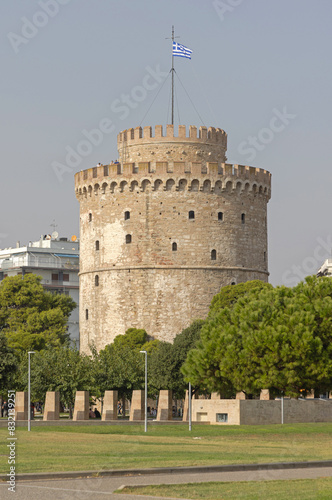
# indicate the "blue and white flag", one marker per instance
pixel 181 51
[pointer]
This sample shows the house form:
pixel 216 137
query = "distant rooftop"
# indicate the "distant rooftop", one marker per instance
pixel 326 268
pixel 46 242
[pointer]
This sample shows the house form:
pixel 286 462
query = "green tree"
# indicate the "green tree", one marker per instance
pixel 31 317
pixel 279 339
pixel 202 366
pixel 8 367
pixel 134 338
pixel 166 361
pixel 229 294
pixel 161 368
pixel 118 367
pixel 61 369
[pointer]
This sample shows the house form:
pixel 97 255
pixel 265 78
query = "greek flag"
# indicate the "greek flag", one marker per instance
pixel 181 51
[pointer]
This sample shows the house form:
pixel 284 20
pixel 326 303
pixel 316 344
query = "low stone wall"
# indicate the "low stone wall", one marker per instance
pixel 295 411
pixel 261 412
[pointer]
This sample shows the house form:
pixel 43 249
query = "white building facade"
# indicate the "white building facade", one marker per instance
pixel 326 268
pixel 56 261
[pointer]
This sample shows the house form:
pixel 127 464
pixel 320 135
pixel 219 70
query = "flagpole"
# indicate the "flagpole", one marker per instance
pixel 172 70
pixel 172 77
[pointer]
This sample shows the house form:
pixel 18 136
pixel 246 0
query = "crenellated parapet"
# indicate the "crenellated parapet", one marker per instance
pixel 177 176
pixel 198 145
pixel 140 135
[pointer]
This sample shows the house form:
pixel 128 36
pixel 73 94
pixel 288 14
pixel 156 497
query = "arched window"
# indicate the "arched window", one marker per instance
pixel 220 216
pixel 127 215
pixel 243 218
pixel 128 238
pixel 213 254
pixel 96 280
pixel 191 214
pixel 90 217
pixel 97 245
pixel 86 313
pixel 174 247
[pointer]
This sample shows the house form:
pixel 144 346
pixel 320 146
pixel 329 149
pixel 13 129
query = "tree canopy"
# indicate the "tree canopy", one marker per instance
pixel 134 338
pixel 61 369
pixel 230 294
pixel 8 365
pixel 30 317
pixel 278 339
pixel 118 367
pixel 166 361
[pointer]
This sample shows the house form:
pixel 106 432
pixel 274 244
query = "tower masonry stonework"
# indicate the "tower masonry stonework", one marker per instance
pixel 163 229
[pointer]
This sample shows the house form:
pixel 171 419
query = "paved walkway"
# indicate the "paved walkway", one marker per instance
pixel 102 488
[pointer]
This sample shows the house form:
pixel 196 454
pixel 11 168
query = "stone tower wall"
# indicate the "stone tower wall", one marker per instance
pixel 159 238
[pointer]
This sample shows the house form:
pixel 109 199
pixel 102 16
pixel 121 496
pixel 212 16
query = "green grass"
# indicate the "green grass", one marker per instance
pixel 69 448
pixel 299 489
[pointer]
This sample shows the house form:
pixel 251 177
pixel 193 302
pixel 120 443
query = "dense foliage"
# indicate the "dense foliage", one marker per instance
pixel 8 365
pixel 278 339
pixel 120 365
pixel 255 337
pixel 166 361
pixel 61 369
pixel 30 317
pixel 230 294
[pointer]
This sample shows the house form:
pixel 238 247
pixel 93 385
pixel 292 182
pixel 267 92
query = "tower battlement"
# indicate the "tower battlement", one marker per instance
pixel 224 176
pixel 140 135
pixel 205 144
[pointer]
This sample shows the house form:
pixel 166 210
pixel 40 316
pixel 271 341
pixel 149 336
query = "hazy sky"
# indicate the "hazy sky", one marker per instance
pixel 261 70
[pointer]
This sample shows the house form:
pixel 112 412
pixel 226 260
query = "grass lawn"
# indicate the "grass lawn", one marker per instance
pixel 299 489
pixel 70 448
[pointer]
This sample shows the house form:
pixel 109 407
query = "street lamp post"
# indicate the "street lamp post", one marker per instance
pixel 146 392
pixel 29 393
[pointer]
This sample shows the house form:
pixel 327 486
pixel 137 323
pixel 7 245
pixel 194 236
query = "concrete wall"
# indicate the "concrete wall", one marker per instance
pixel 205 410
pixel 260 412
pixel 295 411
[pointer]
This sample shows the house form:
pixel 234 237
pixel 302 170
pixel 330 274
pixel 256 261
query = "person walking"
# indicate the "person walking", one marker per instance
pixel 5 409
